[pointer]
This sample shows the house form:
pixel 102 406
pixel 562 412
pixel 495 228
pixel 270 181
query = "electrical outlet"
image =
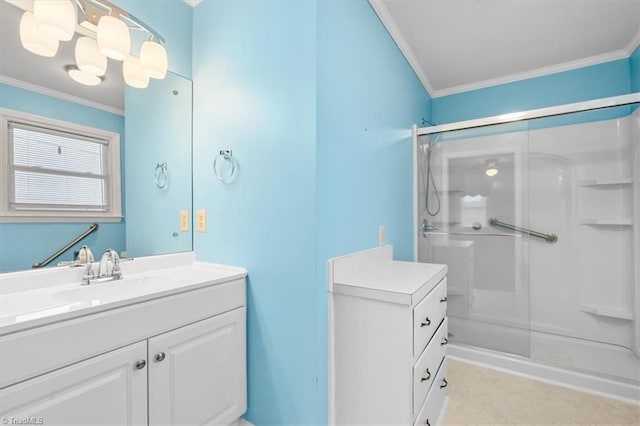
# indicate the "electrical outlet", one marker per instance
pixel 381 235
pixel 202 221
pixel 184 220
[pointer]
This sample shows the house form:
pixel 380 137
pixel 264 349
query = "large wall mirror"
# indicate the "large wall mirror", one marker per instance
pixel 154 130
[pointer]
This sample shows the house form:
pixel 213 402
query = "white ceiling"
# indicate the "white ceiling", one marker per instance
pixel 22 68
pixel 461 45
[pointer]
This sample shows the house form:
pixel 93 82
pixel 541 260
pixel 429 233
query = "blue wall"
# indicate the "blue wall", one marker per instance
pixel 254 92
pixel 316 102
pixel 368 99
pixel 597 81
pixel 634 70
pixel 22 244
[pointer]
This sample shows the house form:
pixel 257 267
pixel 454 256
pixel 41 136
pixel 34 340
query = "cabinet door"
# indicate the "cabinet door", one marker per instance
pixel 197 373
pixel 110 389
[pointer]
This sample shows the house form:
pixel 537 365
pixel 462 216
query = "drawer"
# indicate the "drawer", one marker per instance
pixel 427 316
pixel 424 372
pixel 432 408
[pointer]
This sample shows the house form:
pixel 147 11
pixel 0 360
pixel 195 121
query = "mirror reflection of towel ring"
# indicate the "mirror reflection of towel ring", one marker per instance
pixel 161 174
pixel 224 165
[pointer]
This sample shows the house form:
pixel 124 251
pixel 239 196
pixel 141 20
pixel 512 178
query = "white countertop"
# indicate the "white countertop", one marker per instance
pixel 33 298
pixel 374 274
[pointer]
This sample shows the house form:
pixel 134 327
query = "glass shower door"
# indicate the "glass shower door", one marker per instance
pixel 472 190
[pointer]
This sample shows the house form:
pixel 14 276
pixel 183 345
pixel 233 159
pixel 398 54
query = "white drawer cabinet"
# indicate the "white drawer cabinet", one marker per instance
pixel 388 340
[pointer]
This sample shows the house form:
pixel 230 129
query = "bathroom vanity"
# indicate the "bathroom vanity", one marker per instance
pixel 164 345
pixel 388 334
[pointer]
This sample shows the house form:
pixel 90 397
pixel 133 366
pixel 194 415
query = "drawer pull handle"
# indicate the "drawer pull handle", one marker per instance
pixel 444 383
pixel 444 342
pixel 427 377
pixel 426 322
pixel 160 356
pixel 139 365
pixel 427 423
pixel 443 300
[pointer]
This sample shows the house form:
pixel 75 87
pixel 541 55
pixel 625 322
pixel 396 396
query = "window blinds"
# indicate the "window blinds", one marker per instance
pixel 51 170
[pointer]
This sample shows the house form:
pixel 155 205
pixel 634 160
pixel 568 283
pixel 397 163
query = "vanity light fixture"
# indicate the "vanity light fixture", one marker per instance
pixel 106 34
pixel 33 40
pixel 82 77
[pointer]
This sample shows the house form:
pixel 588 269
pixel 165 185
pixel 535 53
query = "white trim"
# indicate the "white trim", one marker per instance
pixel 416 216
pixel 534 113
pixel 59 95
pixel 539 72
pixel 525 367
pixel 395 33
pixel 633 44
pixel 115 186
pixel 243 421
pixel 194 3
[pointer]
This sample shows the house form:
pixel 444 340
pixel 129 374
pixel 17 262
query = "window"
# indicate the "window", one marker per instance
pixel 58 171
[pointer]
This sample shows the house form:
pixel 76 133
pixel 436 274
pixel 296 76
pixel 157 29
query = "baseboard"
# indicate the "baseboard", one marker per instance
pixel 524 367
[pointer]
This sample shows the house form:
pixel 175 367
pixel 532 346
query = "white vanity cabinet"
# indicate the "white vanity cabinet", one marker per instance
pixel 107 389
pixel 388 340
pixel 173 360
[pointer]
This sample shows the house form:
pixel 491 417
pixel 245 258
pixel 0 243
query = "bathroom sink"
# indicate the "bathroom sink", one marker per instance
pixel 25 305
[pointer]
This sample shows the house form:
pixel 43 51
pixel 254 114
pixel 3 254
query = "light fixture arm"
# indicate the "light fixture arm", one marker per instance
pixel 132 21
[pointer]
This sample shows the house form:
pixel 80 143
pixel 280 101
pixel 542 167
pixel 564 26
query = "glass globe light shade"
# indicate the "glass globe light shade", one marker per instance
pixel 56 18
pixel 88 57
pixel 153 57
pixel 114 40
pixel 134 74
pixel 33 40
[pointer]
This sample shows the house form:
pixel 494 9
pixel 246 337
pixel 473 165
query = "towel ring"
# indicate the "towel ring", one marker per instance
pixel 161 174
pixel 225 156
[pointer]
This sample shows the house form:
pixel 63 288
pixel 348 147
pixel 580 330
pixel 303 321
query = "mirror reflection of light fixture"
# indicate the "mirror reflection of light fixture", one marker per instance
pixel 108 37
pixel 491 168
pixel 82 77
pixel 33 40
pixel 134 74
pixel 56 19
pixel 88 57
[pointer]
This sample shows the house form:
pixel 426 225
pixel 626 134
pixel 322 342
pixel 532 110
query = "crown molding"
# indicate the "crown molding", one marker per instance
pixel 633 44
pixel 393 30
pixel 539 72
pixel 193 3
pixel 59 95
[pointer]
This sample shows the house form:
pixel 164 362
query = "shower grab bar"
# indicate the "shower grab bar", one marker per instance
pixel 66 247
pixel 472 234
pixel 550 238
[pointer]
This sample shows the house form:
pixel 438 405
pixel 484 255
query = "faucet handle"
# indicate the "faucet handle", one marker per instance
pixel 89 275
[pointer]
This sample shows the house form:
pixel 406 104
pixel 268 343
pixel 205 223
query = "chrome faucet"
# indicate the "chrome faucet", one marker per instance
pixel 426 228
pixel 108 269
pixel 110 265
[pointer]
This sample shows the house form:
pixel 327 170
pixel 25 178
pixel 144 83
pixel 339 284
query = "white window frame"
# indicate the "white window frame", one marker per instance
pixel 113 214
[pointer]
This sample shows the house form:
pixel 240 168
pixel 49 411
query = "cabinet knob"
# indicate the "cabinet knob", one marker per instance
pixel 444 341
pixel 139 365
pixel 444 383
pixel 443 300
pixel 427 377
pixel 426 322
pixel 160 356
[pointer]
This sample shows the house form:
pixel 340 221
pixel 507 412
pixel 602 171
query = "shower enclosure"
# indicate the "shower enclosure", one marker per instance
pixel 537 221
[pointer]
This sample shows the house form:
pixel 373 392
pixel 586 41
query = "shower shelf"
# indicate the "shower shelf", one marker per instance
pixel 606 221
pixel 603 311
pixel 605 182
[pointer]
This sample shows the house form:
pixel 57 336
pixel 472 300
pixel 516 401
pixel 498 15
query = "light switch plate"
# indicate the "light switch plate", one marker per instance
pixel 184 220
pixel 202 220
